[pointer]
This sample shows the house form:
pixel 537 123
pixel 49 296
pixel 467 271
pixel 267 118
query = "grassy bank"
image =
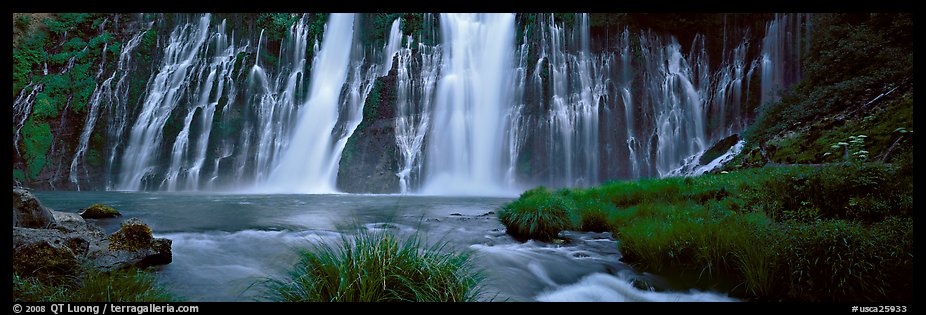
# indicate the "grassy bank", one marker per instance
pixel 378 267
pixel 93 286
pixel 841 232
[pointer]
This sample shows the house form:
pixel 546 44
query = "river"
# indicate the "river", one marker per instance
pixel 225 244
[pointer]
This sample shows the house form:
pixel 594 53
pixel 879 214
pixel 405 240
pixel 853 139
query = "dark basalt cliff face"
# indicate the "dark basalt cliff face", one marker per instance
pixel 370 160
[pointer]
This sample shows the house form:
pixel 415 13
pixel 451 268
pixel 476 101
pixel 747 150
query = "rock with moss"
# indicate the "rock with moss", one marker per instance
pixel 133 245
pixel 133 235
pixel 99 211
pixel 52 245
pixel 45 256
pixel 718 149
pixel 28 211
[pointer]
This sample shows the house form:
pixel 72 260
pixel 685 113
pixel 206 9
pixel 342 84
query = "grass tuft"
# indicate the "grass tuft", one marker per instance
pixel 378 267
pixel 130 285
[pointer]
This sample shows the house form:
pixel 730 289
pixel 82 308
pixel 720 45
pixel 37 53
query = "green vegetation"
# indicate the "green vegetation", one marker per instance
pixel 853 59
pixel 70 46
pixel 538 214
pixel 130 285
pixel 36 143
pixel 836 233
pixel 378 267
pixel 883 125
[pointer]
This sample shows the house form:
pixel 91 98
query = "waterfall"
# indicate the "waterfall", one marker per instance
pixel 213 81
pixel 481 105
pixel 308 164
pixel 676 102
pixel 465 153
pixel 275 100
pixel 164 94
pixel 104 91
pixel 392 46
pixel 516 122
pixel 414 94
pixel 781 53
pixel 576 90
pixel 22 107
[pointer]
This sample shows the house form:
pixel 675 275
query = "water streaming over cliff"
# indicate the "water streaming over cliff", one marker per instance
pixel 476 103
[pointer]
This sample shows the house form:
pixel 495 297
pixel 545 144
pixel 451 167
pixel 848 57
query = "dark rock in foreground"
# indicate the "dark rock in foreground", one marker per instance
pixel 28 211
pixel 49 244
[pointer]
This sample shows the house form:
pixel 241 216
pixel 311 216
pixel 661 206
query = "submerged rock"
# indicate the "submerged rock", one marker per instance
pixel 29 212
pixel 99 211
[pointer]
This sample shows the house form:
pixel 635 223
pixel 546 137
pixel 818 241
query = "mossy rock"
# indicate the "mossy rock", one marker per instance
pixel 132 236
pixel 718 149
pixel 47 262
pixel 99 211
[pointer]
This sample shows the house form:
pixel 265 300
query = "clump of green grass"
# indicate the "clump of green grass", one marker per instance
pixel 594 216
pixel 830 233
pixel 538 214
pixel 839 260
pixel 379 267
pixel 129 285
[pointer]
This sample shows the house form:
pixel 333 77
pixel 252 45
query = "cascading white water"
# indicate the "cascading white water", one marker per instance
pixel 465 153
pixel 781 51
pixel 276 100
pixel 474 113
pixel 414 95
pixel 213 81
pixel 307 164
pixel 578 82
pixel 22 107
pixel 164 93
pixel 392 46
pixel 676 102
pixel 111 96
pixel 517 125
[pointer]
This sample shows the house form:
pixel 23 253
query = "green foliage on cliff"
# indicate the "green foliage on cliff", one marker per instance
pixel 418 26
pixel 372 104
pixel 27 57
pixel 276 25
pixel 880 125
pixel 36 143
pixel 71 46
pixel 853 58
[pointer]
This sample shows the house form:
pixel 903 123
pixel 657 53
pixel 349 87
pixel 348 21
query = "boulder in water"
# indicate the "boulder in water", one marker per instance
pixel 52 245
pixel 99 211
pixel 133 245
